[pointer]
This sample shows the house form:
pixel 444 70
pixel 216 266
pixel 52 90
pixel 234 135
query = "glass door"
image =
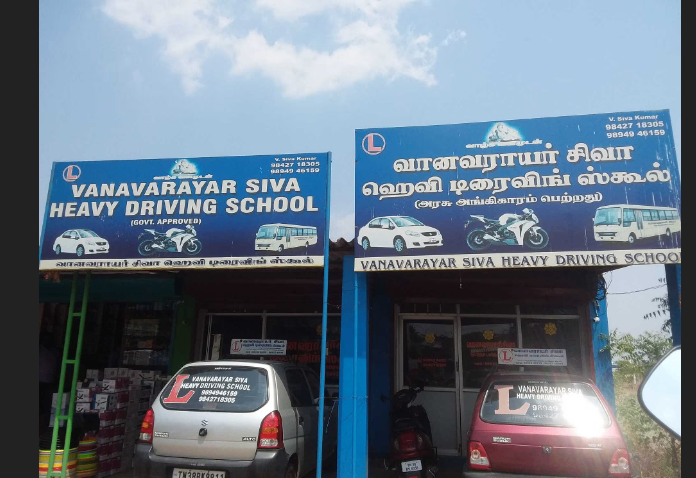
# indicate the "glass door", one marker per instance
pixel 223 329
pixel 429 352
pixel 481 337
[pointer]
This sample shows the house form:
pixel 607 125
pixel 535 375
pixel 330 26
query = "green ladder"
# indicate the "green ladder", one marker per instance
pixel 63 371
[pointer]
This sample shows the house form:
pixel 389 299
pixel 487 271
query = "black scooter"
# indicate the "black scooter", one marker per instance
pixel 412 452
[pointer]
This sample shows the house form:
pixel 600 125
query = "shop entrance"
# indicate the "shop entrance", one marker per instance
pixel 454 354
pixel 302 331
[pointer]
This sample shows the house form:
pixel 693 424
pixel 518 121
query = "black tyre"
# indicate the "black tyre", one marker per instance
pixel 669 233
pixel 58 250
pixel 400 245
pixel 145 248
pixel 537 240
pixel 281 248
pixel 477 241
pixel 366 244
pixel 632 239
pixel 193 247
pixel 291 471
pixel 80 251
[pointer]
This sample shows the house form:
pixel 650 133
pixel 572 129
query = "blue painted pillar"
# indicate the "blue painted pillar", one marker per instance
pixel 604 376
pixel 352 420
pixel 674 289
pixel 381 344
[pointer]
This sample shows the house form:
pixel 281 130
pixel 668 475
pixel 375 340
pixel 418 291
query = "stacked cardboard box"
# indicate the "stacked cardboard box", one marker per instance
pixel 121 397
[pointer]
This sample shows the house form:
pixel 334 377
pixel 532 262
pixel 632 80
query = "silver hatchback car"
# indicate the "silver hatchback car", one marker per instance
pixel 237 418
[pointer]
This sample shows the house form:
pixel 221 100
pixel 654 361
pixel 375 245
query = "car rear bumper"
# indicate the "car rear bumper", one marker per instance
pixel 268 463
pixel 488 474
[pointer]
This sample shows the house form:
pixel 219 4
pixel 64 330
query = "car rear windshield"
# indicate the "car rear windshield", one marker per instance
pixel 217 389
pixel 544 403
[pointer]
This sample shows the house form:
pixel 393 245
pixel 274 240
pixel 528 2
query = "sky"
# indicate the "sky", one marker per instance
pixel 131 79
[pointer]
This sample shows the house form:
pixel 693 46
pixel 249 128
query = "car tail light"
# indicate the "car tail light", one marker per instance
pixel 478 458
pixel 620 465
pixel 408 441
pixel 271 435
pixel 147 429
pixel 420 441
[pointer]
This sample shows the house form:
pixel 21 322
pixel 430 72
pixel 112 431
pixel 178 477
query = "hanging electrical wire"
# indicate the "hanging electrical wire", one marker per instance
pixel 636 291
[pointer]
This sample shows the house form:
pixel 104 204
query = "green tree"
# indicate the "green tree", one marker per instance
pixel 658 453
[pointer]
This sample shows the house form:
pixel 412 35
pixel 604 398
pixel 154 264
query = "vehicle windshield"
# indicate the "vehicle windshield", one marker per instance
pixel 267 232
pixel 608 217
pixel 544 403
pixel 406 222
pixel 217 389
pixel 87 234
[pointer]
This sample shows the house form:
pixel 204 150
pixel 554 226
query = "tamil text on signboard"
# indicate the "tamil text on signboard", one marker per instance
pixel 206 213
pixel 597 190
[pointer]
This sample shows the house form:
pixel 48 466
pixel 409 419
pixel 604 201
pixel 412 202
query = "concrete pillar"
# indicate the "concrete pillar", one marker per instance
pixel 604 375
pixel 381 368
pixel 353 409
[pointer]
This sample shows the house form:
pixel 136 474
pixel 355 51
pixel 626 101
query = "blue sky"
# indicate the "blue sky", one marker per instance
pixel 127 79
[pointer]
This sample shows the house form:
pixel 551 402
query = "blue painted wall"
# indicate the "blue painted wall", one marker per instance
pixel 353 387
pixel 603 369
pixel 381 368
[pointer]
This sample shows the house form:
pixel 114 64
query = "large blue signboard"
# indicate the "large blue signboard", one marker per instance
pixel 597 190
pixel 210 213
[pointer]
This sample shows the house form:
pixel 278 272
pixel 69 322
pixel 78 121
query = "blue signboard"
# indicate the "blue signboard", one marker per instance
pixel 597 190
pixel 204 213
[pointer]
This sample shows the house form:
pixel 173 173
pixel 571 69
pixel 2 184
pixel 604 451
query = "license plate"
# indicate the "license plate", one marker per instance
pixel 411 466
pixel 433 242
pixel 181 473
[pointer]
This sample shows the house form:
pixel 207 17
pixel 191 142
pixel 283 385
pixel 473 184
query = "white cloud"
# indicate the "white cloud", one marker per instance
pixel 366 43
pixel 343 227
pixel 453 37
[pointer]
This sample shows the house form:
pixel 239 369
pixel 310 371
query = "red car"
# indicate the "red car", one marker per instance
pixel 545 425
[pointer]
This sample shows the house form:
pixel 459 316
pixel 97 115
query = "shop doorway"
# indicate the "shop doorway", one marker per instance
pixel 429 352
pixel 454 354
pixel 302 331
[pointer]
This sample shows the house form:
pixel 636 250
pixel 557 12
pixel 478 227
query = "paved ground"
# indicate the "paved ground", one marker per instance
pixel 376 471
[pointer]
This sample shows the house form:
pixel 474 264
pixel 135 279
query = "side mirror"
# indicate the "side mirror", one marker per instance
pixel 660 393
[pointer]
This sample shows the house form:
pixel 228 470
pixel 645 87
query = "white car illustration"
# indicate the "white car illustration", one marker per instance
pixel 400 233
pixel 80 242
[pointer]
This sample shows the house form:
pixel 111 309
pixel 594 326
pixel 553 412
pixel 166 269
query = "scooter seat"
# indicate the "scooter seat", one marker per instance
pixel 405 424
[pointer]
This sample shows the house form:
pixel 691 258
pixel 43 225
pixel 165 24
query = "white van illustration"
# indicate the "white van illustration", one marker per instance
pixel 281 237
pixel 628 223
pixel 400 233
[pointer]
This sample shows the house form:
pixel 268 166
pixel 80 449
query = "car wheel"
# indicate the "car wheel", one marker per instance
pixel 80 251
pixel 632 239
pixel 669 233
pixel 281 249
pixel 291 471
pixel 58 250
pixel 366 244
pixel 400 245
